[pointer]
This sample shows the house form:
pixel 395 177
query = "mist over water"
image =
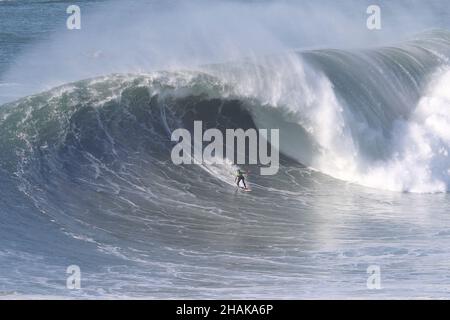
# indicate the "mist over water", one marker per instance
pixel 143 36
pixel 86 176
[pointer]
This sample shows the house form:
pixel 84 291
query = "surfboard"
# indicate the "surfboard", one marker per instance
pixel 245 190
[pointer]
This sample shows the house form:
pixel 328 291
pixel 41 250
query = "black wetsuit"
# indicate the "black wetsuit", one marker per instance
pixel 240 177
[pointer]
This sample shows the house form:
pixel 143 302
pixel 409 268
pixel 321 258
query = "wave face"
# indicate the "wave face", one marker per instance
pixel 374 117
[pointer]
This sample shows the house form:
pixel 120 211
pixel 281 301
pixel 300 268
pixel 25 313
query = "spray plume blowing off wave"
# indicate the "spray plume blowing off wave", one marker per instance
pixel 87 178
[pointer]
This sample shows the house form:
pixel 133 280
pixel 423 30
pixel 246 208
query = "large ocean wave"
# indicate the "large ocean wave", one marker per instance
pixel 375 117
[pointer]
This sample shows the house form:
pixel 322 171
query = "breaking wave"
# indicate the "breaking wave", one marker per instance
pixel 375 117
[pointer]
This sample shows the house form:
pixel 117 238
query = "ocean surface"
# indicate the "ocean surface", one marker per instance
pixel 86 176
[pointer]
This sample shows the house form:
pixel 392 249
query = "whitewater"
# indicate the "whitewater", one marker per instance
pixel 86 176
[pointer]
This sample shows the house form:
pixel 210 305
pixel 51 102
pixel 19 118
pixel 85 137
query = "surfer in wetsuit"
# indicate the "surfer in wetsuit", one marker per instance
pixel 240 177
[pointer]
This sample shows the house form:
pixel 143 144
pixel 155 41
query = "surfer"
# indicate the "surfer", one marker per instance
pixel 240 177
